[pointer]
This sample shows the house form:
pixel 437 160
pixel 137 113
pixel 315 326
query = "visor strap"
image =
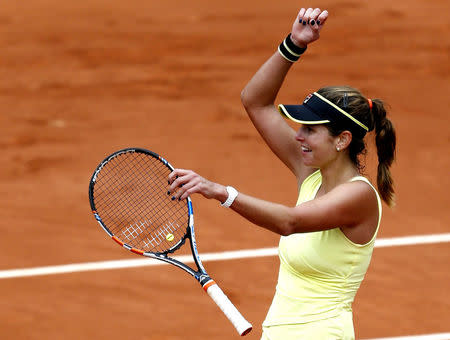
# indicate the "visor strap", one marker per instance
pixel 342 111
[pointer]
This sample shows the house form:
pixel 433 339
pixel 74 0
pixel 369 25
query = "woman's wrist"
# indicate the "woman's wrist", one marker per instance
pixel 231 196
pixel 297 43
pixel 289 50
pixel 220 193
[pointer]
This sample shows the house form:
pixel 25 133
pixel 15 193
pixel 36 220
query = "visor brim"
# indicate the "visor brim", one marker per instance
pixel 301 114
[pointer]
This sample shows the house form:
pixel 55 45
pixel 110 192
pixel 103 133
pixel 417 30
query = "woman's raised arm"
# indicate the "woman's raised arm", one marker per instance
pixel 258 96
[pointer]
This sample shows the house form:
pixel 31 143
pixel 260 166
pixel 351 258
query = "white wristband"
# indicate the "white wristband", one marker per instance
pixel 232 194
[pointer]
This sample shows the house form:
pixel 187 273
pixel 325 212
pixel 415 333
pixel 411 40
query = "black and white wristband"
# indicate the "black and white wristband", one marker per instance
pixel 232 194
pixel 289 50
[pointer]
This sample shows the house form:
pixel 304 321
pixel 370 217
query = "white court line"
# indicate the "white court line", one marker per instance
pixel 227 255
pixel 436 336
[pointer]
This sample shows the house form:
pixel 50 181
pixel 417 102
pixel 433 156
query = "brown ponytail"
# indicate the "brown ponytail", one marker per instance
pixel 385 140
pixel 373 115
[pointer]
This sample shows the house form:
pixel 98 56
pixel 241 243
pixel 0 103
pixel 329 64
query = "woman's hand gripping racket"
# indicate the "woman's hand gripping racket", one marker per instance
pixel 128 196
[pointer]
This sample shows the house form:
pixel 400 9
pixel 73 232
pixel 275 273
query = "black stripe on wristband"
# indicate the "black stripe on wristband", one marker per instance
pixel 289 50
pixel 294 48
pixel 286 54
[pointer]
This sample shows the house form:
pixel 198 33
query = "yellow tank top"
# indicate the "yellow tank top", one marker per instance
pixel 320 272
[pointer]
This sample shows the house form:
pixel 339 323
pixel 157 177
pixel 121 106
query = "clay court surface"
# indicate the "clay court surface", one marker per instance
pixel 79 80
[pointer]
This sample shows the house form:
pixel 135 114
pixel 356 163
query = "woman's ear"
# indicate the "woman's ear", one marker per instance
pixel 343 140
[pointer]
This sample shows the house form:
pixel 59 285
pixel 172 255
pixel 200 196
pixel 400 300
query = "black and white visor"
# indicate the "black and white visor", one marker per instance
pixel 316 109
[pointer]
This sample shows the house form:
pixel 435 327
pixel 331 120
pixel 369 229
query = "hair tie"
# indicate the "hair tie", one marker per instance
pixel 370 103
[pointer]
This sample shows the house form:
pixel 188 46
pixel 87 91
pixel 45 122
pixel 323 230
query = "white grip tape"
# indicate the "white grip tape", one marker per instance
pixel 242 326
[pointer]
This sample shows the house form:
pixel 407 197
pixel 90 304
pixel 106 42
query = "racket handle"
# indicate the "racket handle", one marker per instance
pixel 242 326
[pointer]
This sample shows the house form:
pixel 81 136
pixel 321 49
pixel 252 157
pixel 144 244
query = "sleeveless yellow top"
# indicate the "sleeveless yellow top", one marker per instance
pixel 320 272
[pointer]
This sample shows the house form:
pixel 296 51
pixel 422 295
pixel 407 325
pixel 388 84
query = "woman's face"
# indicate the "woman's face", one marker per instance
pixel 318 147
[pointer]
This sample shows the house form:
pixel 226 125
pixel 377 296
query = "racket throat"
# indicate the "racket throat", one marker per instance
pixel 205 281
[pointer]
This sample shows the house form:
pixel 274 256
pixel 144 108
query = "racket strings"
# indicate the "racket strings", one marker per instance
pixel 130 196
pixel 167 228
pixel 136 230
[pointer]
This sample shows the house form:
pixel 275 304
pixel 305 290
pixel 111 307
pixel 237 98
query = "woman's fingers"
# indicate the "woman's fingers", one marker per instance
pixel 175 174
pixel 307 27
pixel 313 16
pixel 306 16
pixel 300 15
pixel 183 183
pixel 186 189
pixel 322 17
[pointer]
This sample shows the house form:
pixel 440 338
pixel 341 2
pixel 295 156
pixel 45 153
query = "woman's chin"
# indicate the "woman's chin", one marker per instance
pixel 307 161
pixel 309 164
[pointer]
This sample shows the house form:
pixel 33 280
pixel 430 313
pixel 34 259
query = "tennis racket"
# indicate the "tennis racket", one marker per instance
pixel 129 198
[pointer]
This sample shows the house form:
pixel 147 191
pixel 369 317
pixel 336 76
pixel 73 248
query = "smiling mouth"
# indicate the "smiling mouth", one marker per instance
pixel 305 149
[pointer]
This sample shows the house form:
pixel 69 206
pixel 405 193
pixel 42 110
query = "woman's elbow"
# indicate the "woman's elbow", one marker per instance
pixel 290 224
pixel 251 101
pixel 286 230
pixel 245 99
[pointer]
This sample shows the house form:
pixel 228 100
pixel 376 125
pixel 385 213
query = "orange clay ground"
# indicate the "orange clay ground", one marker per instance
pixel 79 80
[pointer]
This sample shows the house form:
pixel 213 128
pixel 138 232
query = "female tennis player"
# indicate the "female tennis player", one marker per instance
pixel 327 238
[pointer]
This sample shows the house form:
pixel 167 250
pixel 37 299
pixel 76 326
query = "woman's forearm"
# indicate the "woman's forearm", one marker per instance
pixel 271 216
pixel 263 87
